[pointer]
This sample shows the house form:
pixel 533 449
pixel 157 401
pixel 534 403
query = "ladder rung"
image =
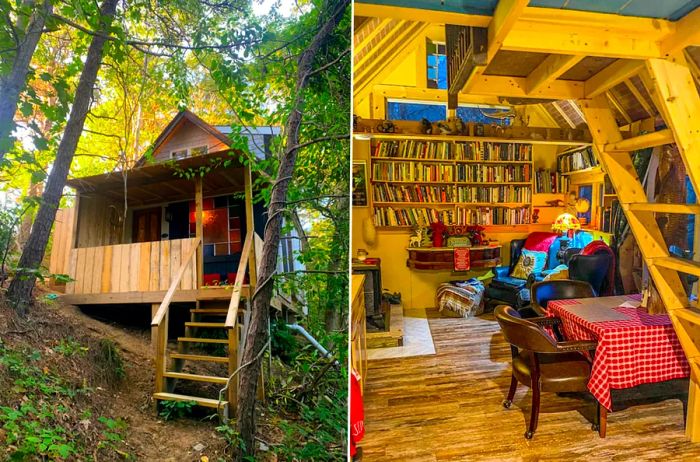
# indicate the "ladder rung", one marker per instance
pixel 648 140
pixel 678 264
pixel 206 402
pixel 214 311
pixel 663 208
pixel 204 324
pixel 188 357
pixel 202 340
pixel 195 377
pixel 691 315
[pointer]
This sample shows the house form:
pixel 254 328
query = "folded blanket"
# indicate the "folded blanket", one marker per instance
pixel 463 297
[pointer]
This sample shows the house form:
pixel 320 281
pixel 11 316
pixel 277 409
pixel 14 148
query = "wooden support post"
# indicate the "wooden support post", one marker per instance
pixel 233 364
pixel 199 232
pixel 154 329
pixel 161 354
pixel 250 225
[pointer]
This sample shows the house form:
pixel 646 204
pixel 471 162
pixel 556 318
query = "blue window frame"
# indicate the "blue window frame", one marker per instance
pixel 399 110
pixel 437 65
pixel 586 192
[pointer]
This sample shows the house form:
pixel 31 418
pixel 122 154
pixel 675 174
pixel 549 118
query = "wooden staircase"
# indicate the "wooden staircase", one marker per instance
pixel 218 325
pixel 674 93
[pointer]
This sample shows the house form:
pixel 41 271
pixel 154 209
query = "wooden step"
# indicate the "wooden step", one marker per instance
pixel 692 315
pixel 213 311
pixel 195 377
pixel 663 208
pixel 648 140
pixel 204 324
pixel 678 264
pixel 206 402
pixel 202 340
pixel 189 357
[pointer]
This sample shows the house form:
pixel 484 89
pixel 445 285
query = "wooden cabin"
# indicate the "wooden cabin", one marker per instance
pixel 188 236
pixel 560 106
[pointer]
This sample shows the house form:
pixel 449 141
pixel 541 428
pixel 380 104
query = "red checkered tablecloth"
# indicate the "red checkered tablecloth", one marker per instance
pixel 641 349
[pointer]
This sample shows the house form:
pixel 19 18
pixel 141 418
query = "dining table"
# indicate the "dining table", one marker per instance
pixel 633 346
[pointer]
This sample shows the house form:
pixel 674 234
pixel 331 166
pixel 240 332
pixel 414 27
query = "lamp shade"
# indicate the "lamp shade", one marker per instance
pixel 566 222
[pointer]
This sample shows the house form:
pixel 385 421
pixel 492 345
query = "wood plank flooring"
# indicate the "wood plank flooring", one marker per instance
pixel 447 407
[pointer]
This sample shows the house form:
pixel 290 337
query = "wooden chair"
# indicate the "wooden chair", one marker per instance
pixel 542 363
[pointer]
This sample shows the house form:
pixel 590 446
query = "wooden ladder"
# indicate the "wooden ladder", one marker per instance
pixel 673 90
pixel 223 323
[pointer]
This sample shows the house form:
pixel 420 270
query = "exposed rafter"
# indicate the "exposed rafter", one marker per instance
pixel 616 73
pixel 639 97
pixel 415 14
pixel 563 114
pixel 430 94
pixel 504 18
pixel 687 33
pixel 549 70
pixel 516 87
pixel 616 104
pixel 367 40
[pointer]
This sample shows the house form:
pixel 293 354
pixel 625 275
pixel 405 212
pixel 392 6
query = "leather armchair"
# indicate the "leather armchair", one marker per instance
pixel 541 363
pixel 592 269
pixel 543 292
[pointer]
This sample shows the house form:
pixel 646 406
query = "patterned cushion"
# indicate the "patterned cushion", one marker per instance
pixel 529 261
pixel 560 272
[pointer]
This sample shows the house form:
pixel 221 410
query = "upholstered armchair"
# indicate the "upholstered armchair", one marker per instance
pixel 540 362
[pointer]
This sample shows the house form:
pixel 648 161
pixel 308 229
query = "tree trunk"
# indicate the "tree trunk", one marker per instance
pixel 20 290
pixel 257 332
pixel 11 85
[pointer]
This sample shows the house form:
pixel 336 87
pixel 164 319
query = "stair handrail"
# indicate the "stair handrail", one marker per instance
pixel 165 304
pixel 232 315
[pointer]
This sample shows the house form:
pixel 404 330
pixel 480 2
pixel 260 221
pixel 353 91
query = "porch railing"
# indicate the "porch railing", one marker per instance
pixel 139 267
pixel 160 319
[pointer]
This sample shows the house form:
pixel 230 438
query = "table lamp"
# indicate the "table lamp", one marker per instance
pixel 565 223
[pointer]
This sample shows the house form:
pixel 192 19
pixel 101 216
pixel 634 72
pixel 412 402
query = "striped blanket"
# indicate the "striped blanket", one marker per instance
pixel 463 297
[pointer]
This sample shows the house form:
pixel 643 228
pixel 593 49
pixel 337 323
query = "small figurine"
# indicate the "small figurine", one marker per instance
pixel 476 234
pixel 386 127
pixel 426 127
pixel 417 239
pixel 453 126
pixel 535 215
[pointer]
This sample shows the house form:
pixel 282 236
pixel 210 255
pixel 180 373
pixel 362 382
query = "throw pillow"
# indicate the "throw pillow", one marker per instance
pixel 560 272
pixel 529 261
pixel 540 241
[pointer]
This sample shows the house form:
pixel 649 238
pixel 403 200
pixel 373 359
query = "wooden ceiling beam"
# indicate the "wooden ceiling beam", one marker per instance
pixel 547 116
pixel 381 64
pixel 415 14
pixel 381 48
pixel 504 18
pixel 616 73
pixel 516 87
pixel 549 70
pixel 373 33
pixel 687 33
pixel 430 94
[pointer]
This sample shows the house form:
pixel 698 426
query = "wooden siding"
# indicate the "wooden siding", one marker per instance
pixel 62 241
pixel 187 135
pixel 141 267
pixel 97 216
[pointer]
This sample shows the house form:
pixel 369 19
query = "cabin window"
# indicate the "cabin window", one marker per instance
pixel 437 65
pixel 199 151
pixel 176 155
pixel 413 110
pixel 221 220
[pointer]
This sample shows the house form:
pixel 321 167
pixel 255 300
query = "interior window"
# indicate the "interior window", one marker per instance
pixel 408 110
pixel 437 65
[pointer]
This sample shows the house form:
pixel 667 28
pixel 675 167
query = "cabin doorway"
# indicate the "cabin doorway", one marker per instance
pixel 147 224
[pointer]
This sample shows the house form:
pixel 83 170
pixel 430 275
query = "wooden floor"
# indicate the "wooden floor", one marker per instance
pixel 447 407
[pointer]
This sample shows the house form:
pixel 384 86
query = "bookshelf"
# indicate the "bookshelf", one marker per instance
pixel 418 180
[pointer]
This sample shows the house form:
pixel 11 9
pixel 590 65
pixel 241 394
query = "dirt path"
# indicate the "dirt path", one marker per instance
pixel 149 437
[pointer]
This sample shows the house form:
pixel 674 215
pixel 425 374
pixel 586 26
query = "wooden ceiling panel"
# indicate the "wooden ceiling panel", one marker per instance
pixel 514 64
pixel 587 68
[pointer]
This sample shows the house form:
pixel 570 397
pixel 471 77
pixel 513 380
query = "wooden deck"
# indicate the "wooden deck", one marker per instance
pixel 191 295
pixel 447 407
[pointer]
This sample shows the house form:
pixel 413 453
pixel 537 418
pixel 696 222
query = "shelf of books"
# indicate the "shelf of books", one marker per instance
pixel 577 161
pixel 418 182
